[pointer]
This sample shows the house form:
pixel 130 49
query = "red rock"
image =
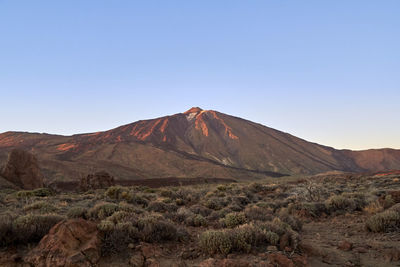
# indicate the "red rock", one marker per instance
pixel 224 263
pixel 150 250
pixel 284 241
pixel 137 260
pixel 75 242
pixel 300 261
pixel 280 260
pixel 360 250
pixel 345 245
pixel 22 169
pixel 395 196
pixel 99 180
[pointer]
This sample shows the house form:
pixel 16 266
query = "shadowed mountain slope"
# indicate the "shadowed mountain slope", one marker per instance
pixel 196 143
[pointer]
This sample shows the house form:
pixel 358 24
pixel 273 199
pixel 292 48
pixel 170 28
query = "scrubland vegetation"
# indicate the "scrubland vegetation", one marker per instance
pixel 215 220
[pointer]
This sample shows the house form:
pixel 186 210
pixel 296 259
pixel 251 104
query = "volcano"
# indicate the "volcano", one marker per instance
pixel 195 143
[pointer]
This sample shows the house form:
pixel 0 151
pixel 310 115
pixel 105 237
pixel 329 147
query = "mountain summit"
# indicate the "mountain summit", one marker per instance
pixel 196 143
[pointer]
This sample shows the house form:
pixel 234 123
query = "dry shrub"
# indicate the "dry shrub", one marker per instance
pixel 41 206
pixel 240 239
pixel 7 236
pixel 386 221
pixel 32 227
pixel 77 212
pixel 234 219
pixel 374 207
pixel 102 210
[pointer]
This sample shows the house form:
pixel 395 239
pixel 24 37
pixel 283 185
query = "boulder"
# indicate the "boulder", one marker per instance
pixel 22 169
pixel 211 262
pixel 97 180
pixel 74 242
pixel 345 245
pixel 278 259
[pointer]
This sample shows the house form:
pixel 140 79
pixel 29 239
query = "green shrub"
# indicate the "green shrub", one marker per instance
pixel 103 210
pixel 386 221
pixel 118 193
pixel 116 236
pixel 43 192
pixel 346 202
pixel 216 242
pixel 41 206
pixel 196 220
pixel 272 238
pixel 32 227
pixel 240 239
pixel 234 219
pixel 77 212
pixel 256 213
pixel 155 229
pixel 7 236
pixel 39 192
pixel 138 199
pixel 158 206
pixel 25 194
pixel 198 209
pixel 216 203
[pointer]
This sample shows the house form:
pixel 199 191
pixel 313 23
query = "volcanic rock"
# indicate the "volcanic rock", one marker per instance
pixel 22 169
pixel 98 180
pixel 75 242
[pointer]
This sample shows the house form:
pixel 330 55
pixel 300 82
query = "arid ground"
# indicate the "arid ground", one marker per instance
pixel 334 219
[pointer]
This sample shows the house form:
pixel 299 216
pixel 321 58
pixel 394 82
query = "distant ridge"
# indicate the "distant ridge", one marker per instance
pixel 195 143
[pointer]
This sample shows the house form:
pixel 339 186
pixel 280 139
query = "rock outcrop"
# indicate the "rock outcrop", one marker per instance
pixel 74 242
pixel 22 169
pixel 98 180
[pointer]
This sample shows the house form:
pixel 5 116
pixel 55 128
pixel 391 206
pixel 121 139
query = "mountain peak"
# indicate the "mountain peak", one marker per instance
pixel 193 110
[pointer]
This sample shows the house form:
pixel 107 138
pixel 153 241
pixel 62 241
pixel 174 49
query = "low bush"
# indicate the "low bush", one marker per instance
pixel 39 192
pixel 234 219
pixel 41 206
pixel 7 236
pixel 346 202
pixel 102 210
pixel 256 213
pixel 118 193
pixel 158 206
pixel 155 229
pixel 32 227
pixel 203 211
pixel 77 212
pixel 216 203
pixel 25 194
pixel 240 239
pixel 304 209
pixel 196 220
pixel 116 236
pixel 386 221
pixel 43 192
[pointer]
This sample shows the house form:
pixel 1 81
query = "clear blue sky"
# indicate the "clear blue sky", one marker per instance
pixel 327 71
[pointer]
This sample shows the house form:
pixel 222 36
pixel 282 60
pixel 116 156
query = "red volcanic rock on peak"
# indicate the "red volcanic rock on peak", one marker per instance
pixel 195 143
pixel 193 110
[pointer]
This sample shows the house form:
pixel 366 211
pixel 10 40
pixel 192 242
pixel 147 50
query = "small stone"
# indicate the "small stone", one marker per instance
pixel 272 248
pixel 131 246
pixel 137 260
pixel 360 250
pixel 345 245
pixel 288 249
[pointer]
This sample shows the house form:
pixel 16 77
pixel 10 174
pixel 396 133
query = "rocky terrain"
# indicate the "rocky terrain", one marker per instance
pixel 193 144
pixel 198 188
pixel 332 219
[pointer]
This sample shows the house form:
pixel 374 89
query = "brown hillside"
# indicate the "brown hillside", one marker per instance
pixel 196 143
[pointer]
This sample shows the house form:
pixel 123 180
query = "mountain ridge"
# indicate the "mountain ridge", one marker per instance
pixel 195 143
